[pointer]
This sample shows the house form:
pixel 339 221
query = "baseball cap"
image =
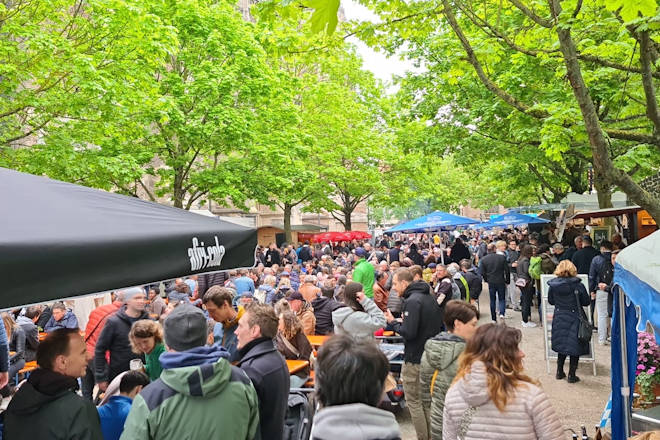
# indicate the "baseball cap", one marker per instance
pixel 360 252
pixel 295 296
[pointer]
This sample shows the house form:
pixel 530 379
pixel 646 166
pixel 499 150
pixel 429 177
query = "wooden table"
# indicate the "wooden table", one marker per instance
pixel 296 365
pixel 317 340
pixel 42 336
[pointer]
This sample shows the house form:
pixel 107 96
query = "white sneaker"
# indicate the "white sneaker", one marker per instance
pixel 603 343
pixel 503 317
pixel 531 324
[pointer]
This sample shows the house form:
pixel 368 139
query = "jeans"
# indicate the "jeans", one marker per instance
pixel 499 291
pixel 513 294
pixel 418 413
pixel 603 318
pixel 527 294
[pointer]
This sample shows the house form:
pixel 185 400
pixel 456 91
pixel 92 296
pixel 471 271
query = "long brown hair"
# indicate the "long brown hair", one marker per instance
pixel 497 347
pixel 9 323
pixel 350 296
pixel 292 325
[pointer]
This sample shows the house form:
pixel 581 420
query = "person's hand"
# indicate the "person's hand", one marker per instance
pixel 514 264
pixel 593 295
pixel 4 379
pixel 388 316
pixel 602 286
pixel 360 296
pixel 103 386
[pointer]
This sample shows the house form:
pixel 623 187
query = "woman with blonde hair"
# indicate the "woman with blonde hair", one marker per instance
pixel 293 344
pixel 567 292
pixel 16 338
pixel 492 397
pixel 146 337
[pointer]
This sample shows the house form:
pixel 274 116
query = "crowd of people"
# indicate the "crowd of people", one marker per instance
pixel 206 354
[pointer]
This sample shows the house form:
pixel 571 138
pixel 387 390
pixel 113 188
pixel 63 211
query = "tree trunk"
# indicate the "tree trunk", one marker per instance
pixel 287 222
pixel 603 191
pixel 347 219
pixel 599 146
pixel 177 189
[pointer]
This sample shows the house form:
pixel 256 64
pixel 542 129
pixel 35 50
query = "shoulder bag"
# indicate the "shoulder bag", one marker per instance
pixel 585 329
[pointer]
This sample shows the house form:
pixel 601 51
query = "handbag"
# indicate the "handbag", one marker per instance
pixel 521 282
pixel 585 329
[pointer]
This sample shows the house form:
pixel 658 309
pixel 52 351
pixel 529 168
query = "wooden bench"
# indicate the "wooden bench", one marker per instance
pixel 26 370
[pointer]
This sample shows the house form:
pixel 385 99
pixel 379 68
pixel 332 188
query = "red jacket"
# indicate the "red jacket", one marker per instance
pixel 96 322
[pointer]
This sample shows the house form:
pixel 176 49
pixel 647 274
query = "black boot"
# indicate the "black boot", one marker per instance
pixel 560 366
pixel 560 373
pixel 572 378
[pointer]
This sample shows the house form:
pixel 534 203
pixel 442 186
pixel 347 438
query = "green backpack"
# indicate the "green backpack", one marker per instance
pixel 535 268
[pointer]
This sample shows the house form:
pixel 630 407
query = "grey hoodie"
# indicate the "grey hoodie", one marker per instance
pixel 355 421
pixel 440 355
pixel 360 325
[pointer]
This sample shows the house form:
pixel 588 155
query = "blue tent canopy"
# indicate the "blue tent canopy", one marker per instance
pixel 637 275
pixel 432 222
pixel 512 218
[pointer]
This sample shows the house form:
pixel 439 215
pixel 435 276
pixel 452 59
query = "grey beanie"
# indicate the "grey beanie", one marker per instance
pixel 129 293
pixel 185 328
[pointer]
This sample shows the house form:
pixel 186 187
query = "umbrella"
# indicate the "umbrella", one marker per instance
pixel 514 218
pixel 60 240
pixel 331 237
pixel 432 222
pixel 358 235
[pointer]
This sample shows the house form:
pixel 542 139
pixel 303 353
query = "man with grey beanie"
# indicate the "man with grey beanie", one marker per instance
pixel 114 337
pixel 199 393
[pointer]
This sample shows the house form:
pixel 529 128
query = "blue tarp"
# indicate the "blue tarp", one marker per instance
pixel 432 222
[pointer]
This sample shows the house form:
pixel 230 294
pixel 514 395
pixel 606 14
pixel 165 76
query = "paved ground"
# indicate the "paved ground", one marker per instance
pixel 576 404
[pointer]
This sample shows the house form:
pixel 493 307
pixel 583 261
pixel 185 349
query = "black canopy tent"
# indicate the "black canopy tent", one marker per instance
pixel 59 240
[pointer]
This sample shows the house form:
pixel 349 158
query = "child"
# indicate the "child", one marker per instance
pixel 113 414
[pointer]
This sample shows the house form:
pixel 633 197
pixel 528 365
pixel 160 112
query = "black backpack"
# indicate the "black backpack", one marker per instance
pixel 298 421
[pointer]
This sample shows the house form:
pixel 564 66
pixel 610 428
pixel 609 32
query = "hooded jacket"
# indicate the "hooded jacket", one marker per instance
pixel 529 414
pixel 355 421
pixel 31 337
pixel 359 324
pixel 365 274
pixel 323 308
pixel 46 407
pixel 114 338
pixel 438 369
pixel 199 396
pixel 422 319
pixel 565 321
pixel 69 320
pixel 269 374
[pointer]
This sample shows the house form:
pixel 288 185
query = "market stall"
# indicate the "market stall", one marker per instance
pixel 433 222
pixel 636 303
pixel 59 240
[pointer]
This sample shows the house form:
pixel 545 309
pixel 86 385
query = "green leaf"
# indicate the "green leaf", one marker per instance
pixel 324 17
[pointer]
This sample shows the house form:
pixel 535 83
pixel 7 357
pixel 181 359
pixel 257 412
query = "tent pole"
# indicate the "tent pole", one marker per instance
pixel 625 386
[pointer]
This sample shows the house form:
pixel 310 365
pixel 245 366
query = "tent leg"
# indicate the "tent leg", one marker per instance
pixel 625 386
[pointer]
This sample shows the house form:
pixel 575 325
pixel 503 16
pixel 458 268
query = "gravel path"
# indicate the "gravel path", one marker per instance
pixel 576 404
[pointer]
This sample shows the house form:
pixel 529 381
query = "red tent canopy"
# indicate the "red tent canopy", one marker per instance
pixel 332 237
pixel 358 235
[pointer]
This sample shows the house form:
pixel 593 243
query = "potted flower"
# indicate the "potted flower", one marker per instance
pixel 648 367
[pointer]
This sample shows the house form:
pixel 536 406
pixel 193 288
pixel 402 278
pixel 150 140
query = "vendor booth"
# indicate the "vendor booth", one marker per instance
pixel 636 304
pixel 433 222
pixel 59 240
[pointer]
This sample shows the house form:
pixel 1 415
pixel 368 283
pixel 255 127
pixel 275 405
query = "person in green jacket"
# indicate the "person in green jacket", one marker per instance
pixel 146 337
pixel 199 394
pixel 364 273
pixel 440 359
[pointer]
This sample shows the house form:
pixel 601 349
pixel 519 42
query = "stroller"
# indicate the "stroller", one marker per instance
pixel 394 400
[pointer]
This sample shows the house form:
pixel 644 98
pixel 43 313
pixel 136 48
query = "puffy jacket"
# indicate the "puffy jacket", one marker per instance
pixel 529 414
pixel 114 338
pixel 359 324
pixel 495 269
pixel 394 302
pixel 365 274
pixel 547 264
pixel 31 337
pixel 565 322
pixel 96 322
pixel 46 407
pixel 323 308
pixel 69 320
pixel 437 371
pixel 199 395
pixel 269 374
pixel 421 320
pixel 355 421
pixel 306 316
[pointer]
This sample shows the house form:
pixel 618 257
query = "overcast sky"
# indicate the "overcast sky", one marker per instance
pixel 382 66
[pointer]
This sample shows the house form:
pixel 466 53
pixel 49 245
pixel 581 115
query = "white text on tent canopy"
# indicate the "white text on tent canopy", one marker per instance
pixel 203 258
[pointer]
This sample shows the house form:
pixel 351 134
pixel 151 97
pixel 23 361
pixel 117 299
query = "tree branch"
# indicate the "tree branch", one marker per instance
pixel 531 14
pixel 146 190
pixel 652 110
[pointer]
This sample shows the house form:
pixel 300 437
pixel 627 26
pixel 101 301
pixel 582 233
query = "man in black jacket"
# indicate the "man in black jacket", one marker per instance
pixel 473 279
pixel 601 272
pixel 27 323
pixel 582 258
pixel 420 321
pixel 114 338
pixel 495 270
pixel 265 367
pixel 323 307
